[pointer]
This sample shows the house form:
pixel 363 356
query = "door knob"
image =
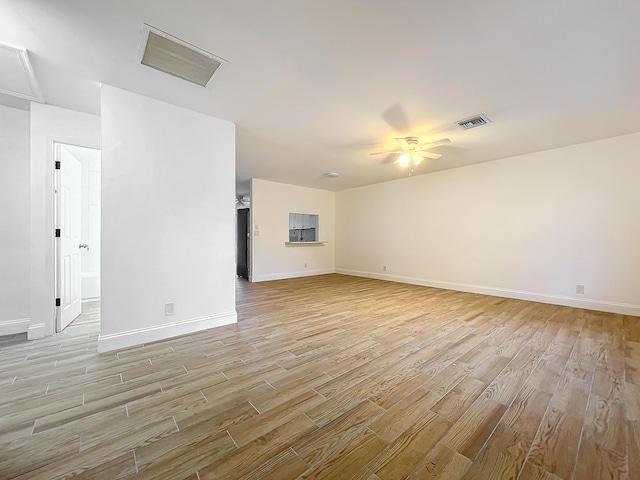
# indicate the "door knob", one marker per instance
pixel 84 245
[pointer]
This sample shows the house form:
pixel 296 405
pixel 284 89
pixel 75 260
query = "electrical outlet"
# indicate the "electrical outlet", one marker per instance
pixel 305 264
pixel 169 309
pixel 384 268
pixel 580 289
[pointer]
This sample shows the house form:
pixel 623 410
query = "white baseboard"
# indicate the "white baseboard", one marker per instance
pixel 129 338
pixel 586 303
pixel 13 327
pixel 36 331
pixel 281 276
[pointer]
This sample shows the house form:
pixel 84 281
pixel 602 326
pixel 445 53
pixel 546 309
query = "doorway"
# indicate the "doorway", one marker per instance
pixel 242 246
pixel 77 219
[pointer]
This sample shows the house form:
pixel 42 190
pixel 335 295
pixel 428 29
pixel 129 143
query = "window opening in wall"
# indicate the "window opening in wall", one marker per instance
pixel 303 227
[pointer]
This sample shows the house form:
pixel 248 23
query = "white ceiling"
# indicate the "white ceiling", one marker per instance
pixel 315 85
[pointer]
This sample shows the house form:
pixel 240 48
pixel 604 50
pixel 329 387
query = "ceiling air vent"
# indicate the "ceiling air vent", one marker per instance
pixel 17 77
pixel 473 122
pixel 176 57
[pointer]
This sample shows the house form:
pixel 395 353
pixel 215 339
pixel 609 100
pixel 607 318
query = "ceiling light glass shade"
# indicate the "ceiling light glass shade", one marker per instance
pixel 416 159
pixel 404 160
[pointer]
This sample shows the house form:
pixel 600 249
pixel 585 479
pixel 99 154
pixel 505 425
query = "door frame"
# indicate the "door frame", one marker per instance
pixel 54 146
pixel 49 124
pixel 246 241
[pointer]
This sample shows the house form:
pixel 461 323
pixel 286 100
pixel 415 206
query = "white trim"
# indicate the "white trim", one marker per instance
pixel 586 303
pixel 36 331
pixel 281 276
pixel 12 327
pixel 139 336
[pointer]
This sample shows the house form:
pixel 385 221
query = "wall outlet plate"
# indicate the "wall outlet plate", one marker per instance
pixel 169 308
pixel 580 289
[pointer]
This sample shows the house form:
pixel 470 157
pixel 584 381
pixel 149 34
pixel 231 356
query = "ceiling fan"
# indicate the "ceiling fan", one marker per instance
pixel 413 152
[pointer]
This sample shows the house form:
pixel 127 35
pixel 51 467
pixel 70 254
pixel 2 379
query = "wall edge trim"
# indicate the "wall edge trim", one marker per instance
pixel 14 326
pixel 281 276
pixel 36 331
pixel 586 303
pixel 114 341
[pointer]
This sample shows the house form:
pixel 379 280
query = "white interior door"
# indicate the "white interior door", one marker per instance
pixel 69 222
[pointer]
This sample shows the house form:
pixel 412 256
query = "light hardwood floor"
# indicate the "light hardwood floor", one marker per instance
pixel 334 377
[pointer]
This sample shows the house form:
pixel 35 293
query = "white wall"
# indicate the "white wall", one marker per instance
pixel 530 227
pixel 49 124
pixel 14 221
pixel 271 204
pixel 168 182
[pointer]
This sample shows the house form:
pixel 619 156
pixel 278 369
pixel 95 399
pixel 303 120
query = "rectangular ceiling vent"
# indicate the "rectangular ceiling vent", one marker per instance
pixel 176 57
pixel 473 122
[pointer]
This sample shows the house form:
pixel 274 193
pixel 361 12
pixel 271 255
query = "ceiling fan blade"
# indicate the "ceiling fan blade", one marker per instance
pixel 380 153
pixel 437 143
pixel 396 117
pixel 391 158
pixel 432 155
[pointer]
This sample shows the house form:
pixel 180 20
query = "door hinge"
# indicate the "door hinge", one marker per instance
pixel 57 233
pixel 57 164
pixel 57 302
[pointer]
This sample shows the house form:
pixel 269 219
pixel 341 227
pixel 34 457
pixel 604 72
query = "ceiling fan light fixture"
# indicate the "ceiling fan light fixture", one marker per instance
pixel 404 160
pixel 412 152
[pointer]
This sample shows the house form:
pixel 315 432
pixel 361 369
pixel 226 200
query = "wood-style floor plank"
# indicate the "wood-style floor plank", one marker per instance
pixel 333 377
pixel 401 456
pixel 555 447
pixel 315 447
pixel 442 463
pixel 345 461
